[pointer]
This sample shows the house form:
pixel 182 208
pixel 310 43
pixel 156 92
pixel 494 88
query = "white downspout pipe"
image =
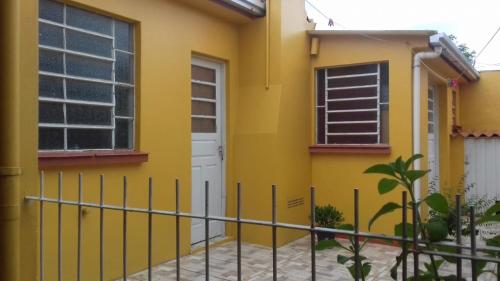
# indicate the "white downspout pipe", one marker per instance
pixel 416 108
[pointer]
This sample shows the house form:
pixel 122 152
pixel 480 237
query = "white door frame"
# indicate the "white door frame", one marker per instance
pixel 221 124
pixel 435 109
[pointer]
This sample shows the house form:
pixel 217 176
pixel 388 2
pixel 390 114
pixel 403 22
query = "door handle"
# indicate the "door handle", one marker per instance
pixel 221 152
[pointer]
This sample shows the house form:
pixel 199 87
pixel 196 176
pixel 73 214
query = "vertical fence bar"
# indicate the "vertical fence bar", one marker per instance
pixel 150 229
pixel 238 229
pixel 357 262
pixel 207 234
pixel 79 234
pixel 101 228
pixel 124 266
pixel 275 251
pixel 405 235
pixel 42 187
pixel 416 276
pixel 313 234
pixel 59 229
pixel 473 242
pixel 177 232
pixel 458 234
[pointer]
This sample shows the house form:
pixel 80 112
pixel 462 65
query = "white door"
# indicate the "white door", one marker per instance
pixel 433 137
pixel 482 168
pixel 207 148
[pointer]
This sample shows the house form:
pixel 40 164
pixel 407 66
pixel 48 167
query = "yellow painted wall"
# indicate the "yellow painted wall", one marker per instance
pixel 336 175
pixel 167 35
pixel 266 142
pixel 271 137
pixel 479 103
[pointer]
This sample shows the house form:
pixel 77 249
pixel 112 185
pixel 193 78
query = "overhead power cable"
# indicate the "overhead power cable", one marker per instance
pixel 486 45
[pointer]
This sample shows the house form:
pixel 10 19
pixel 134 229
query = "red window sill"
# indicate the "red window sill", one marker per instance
pixel 350 149
pixel 90 158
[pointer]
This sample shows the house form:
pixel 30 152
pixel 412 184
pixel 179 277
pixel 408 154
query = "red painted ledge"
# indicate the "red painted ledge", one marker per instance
pixel 90 158
pixel 350 149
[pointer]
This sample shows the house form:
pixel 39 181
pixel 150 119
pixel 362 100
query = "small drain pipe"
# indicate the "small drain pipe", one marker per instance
pixel 417 60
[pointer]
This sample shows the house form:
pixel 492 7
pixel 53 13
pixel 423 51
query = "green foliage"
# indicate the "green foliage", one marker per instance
pixel 442 219
pixel 387 208
pixel 328 216
pixel 348 260
pixel 437 202
pixel 468 53
pixel 401 174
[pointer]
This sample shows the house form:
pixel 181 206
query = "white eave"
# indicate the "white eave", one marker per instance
pixel 255 8
pixel 453 55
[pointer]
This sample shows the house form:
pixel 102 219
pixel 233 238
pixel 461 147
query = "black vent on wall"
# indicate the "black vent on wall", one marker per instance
pixel 295 202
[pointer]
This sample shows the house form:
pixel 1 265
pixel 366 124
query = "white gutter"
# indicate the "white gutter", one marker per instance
pixel 454 56
pixel 256 8
pixel 416 108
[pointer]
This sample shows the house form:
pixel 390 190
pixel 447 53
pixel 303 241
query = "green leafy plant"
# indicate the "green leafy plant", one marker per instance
pixel 437 227
pixel 399 173
pixel 348 260
pixel 327 216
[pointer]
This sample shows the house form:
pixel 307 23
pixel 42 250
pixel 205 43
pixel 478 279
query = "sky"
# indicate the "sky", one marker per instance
pixel 472 22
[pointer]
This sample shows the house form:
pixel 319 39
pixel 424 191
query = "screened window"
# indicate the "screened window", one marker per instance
pixel 86 80
pixel 352 104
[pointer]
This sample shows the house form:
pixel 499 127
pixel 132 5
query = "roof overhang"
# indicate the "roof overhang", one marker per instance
pixel 254 8
pixel 372 32
pixel 453 56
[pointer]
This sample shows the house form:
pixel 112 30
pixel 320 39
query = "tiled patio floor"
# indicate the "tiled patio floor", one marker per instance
pixel 293 264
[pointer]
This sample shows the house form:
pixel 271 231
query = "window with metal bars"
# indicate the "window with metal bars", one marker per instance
pixel 352 104
pixel 86 80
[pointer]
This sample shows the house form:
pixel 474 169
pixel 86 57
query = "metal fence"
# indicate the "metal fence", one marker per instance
pixel 408 244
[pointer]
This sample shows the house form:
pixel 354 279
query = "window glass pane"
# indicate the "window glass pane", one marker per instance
pixel 430 128
pixel 203 108
pixel 89 138
pixel 88 114
pixel 51 61
pixel 321 125
pixel 384 123
pixel 88 20
pixel 320 92
pixel 50 35
pixel 123 36
pixel 124 133
pixel 51 138
pixel 124 67
pixel 353 128
pixel 51 87
pixel 202 74
pixel 353 81
pixel 352 93
pixel 353 104
pixel 50 112
pixel 352 139
pixel 124 99
pixel 88 67
pixel 202 91
pixel 50 10
pixel 384 82
pixel 353 116
pixel 349 70
pixel 87 43
pixel 203 125
pixel 88 91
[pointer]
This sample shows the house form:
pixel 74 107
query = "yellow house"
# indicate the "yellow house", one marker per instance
pixel 223 91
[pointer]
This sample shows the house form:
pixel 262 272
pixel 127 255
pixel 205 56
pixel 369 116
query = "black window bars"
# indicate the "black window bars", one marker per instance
pixel 463 252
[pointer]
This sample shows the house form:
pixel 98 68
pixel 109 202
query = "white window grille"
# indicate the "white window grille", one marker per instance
pixel 352 104
pixel 86 80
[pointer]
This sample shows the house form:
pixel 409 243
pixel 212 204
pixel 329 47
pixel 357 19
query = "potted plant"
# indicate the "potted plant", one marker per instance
pixel 327 216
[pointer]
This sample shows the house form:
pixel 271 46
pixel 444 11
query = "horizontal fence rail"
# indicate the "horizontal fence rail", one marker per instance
pixel 462 252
